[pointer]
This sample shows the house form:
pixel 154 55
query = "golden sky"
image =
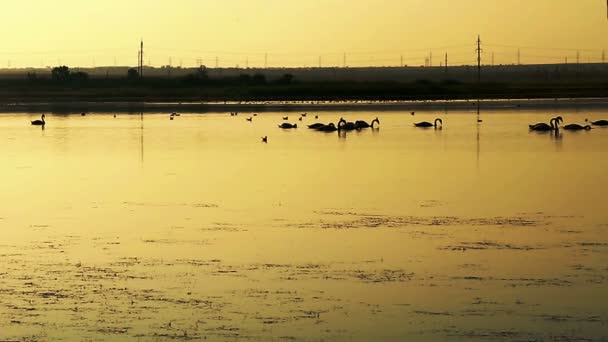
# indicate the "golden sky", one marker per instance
pixel 297 32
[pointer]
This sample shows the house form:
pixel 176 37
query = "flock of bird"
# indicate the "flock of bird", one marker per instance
pixel 343 125
pixel 554 123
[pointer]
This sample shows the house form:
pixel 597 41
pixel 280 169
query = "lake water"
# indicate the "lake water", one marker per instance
pixel 141 227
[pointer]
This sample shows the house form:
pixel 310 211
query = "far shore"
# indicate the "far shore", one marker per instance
pixel 301 106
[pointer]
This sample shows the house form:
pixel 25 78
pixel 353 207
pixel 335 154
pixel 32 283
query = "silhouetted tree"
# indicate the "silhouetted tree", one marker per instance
pixel 61 74
pixel 132 74
pixel 202 72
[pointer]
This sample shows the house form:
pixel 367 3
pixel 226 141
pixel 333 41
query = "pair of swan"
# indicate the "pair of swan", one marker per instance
pixel 344 125
pixel 426 124
pixel 543 127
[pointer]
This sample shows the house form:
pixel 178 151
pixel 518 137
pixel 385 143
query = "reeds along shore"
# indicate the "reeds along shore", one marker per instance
pixel 175 90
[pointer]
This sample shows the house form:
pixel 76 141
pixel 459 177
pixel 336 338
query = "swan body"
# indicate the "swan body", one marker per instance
pixel 39 122
pixel 600 123
pixel 346 126
pixel 425 124
pixel 328 128
pixel 288 125
pixel 316 125
pixel 362 124
pixel 577 127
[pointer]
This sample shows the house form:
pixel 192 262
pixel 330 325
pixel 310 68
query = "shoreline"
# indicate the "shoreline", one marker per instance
pixel 292 106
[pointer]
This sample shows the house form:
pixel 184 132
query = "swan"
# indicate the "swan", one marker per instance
pixel 346 126
pixel 362 124
pixel 288 125
pixel 316 116
pixel 286 118
pixel 328 128
pixel 316 125
pixel 249 119
pixel 39 122
pixel 576 127
pixel 600 123
pixel 425 124
pixel 83 114
pixel 304 114
pixel 265 139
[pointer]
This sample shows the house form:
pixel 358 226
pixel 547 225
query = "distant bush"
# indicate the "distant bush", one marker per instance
pixel 62 74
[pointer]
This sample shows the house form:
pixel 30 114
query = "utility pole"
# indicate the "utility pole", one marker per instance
pixel 217 62
pixel 265 61
pixel 344 61
pixel 603 56
pixel 478 59
pixel 141 59
pixel 518 57
pixel 446 63
pixel 431 58
pixel 169 68
pixel 247 62
pixel 320 62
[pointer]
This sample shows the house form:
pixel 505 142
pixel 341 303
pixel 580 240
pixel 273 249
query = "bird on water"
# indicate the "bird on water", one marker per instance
pixel 426 124
pixel 39 122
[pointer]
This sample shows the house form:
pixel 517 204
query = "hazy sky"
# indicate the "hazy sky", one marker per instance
pixel 297 32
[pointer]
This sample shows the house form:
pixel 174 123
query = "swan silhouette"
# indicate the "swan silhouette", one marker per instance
pixel 346 126
pixel 265 139
pixel 426 124
pixel 576 127
pixel 249 119
pixel 362 124
pixel 328 128
pixel 316 125
pixel 286 118
pixel 288 125
pixel 39 122
pixel 600 123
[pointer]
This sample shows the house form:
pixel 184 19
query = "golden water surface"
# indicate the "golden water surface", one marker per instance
pixel 141 227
